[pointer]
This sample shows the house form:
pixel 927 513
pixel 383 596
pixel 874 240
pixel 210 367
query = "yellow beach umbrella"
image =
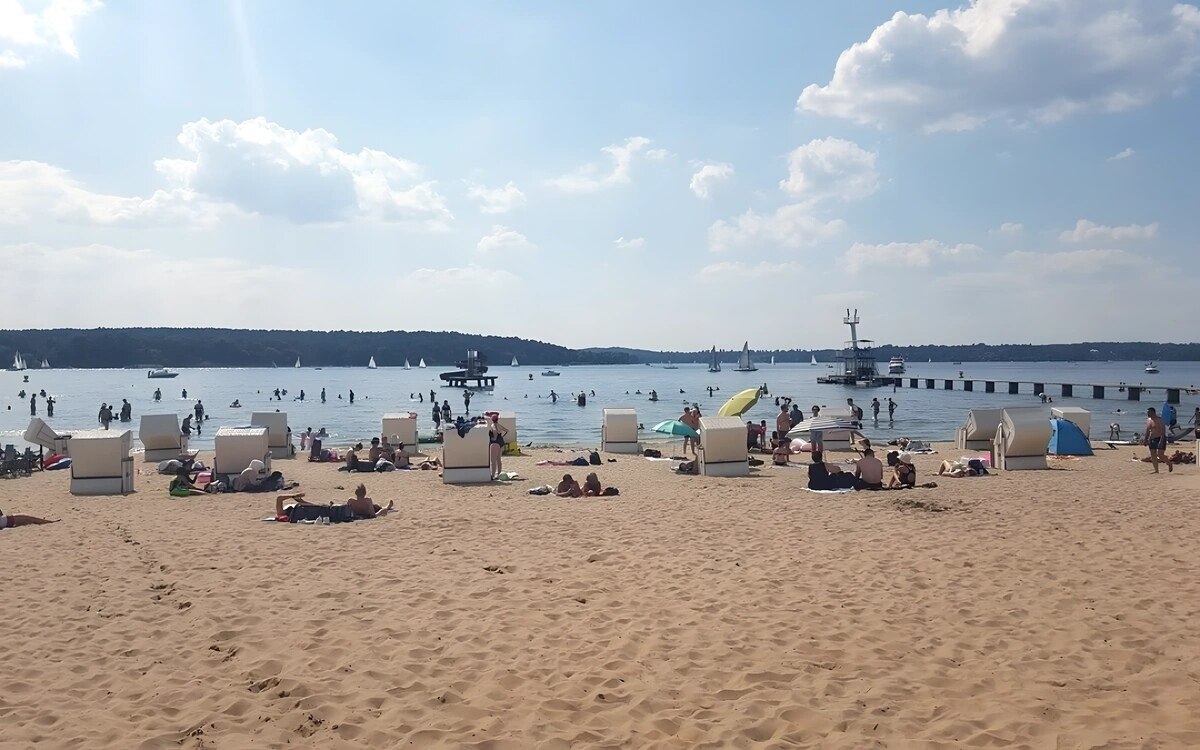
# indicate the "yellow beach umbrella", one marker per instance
pixel 740 403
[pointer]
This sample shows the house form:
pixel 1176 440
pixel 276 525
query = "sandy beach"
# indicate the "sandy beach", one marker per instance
pixel 1053 609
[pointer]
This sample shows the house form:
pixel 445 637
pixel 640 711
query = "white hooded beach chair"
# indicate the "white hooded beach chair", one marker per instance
pixel 161 438
pixel 279 440
pixel 1080 416
pixel 100 462
pixel 40 433
pixel 979 431
pixel 403 426
pixel 1022 440
pixel 235 447
pixel 722 450
pixel 619 431
pixel 466 460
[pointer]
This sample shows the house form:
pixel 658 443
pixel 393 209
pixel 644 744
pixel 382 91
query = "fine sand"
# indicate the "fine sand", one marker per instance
pixel 1054 609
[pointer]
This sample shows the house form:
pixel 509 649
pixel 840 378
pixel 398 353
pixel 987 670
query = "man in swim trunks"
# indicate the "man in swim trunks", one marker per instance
pixel 360 505
pixel 1156 439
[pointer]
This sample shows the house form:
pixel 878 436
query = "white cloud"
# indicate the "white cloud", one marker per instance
pixel 633 243
pixel 592 177
pixel 709 174
pixel 265 168
pixel 1073 261
pixel 1089 231
pixel 1011 227
pixel 438 284
pixel 501 238
pixel 830 168
pixel 1124 154
pixel 52 27
pixel 734 269
pixel 658 154
pixel 793 225
pixel 922 254
pixel 32 191
pixel 1011 60
pixel 496 200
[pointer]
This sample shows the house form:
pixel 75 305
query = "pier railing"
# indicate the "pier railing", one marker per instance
pixel 1129 391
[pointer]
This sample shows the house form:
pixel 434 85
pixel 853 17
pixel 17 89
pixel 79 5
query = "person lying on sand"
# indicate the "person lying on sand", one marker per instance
pixel 1178 457
pixel 592 486
pixel 972 468
pixel 568 487
pixel 13 521
pixel 359 504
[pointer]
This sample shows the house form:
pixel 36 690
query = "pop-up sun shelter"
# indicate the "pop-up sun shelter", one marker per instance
pixel 1066 439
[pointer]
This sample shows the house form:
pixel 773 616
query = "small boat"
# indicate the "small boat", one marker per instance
pixel 714 365
pixel 514 362
pixel 896 366
pixel 814 361
pixel 161 372
pixel 669 366
pixel 45 364
pixel 18 362
pixel 550 373
pixel 1151 368
pixel 407 366
pixel 421 363
pixel 371 364
pixel 297 365
pixel 772 359
pixel 744 362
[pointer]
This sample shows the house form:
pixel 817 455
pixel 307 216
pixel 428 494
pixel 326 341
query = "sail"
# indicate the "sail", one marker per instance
pixel 814 359
pixel 744 362
pixel 406 365
pixel 371 364
pixel 514 362
pixel 772 359
pixel 421 363
pixel 713 364
pixel 45 364
pixel 297 362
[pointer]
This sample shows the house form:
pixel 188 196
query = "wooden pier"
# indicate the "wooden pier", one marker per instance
pixel 1126 391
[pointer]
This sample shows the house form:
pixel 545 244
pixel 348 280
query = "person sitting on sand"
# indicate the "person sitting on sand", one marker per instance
pixel 782 454
pixel 688 467
pixel 13 521
pixel 254 478
pixel 568 487
pixel 236 404
pixel 904 474
pixel 400 457
pixel 352 462
pixel 591 486
pixel 361 506
pixel 184 486
pixel 822 477
pixel 868 472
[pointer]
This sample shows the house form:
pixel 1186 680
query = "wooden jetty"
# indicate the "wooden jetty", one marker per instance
pixel 1128 391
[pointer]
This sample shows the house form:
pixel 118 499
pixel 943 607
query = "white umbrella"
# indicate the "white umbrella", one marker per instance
pixel 824 424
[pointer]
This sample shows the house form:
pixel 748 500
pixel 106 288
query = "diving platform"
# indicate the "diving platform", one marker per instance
pixel 472 375
pixel 1120 391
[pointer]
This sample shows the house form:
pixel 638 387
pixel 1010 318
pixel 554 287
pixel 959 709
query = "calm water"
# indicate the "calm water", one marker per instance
pixel 928 414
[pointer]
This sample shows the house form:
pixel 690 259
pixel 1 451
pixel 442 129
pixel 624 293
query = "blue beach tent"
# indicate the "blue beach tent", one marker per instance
pixel 1067 439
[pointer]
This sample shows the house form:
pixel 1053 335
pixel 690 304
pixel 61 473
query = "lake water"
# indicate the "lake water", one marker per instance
pixel 927 414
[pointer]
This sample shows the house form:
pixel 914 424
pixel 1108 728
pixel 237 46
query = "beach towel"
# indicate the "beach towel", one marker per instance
pixel 543 490
pixel 830 492
pixel 652 458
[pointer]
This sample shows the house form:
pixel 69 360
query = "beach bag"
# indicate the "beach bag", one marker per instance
pixel 652 453
pixel 594 459
pixel 610 492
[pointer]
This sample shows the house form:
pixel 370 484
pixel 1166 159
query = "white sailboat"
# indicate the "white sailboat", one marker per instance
pixel 45 364
pixel 421 363
pixel 744 362
pixel 297 365
pixel 18 362
pixel 371 364
pixel 772 359
pixel 407 366
pixel 514 362
pixel 814 361
pixel 714 364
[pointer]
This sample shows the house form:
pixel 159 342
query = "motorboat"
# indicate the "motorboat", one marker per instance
pixel 1151 368
pixel 896 366
pixel 161 372
pixel 744 362
pixel 550 373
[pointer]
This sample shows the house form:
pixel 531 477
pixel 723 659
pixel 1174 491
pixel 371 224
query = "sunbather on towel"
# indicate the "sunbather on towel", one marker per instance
pixel 568 487
pixel 592 486
pixel 10 522
pixel 359 504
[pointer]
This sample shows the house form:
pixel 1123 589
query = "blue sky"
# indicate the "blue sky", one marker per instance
pixel 666 175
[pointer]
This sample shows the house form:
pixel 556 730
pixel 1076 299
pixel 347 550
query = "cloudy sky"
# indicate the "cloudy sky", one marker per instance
pixel 667 175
